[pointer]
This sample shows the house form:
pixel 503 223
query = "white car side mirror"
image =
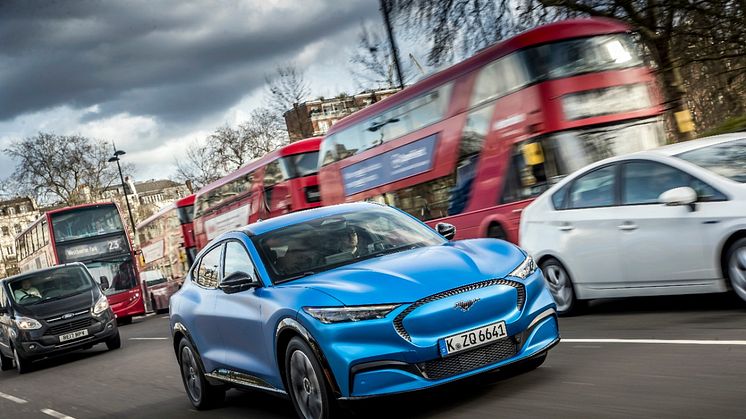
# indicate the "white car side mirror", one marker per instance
pixel 679 196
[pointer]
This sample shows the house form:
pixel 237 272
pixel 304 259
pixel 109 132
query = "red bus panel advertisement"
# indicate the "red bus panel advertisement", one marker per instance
pixel 280 182
pixel 473 144
pixel 95 235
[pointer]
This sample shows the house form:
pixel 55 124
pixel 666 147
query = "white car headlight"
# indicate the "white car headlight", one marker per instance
pixel 101 305
pixel 27 323
pixel 525 269
pixel 329 315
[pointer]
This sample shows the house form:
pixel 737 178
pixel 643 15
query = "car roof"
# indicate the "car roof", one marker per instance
pixel 261 227
pixel 40 271
pixel 678 148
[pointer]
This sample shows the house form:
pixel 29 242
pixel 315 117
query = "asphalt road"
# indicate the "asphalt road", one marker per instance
pixel 660 363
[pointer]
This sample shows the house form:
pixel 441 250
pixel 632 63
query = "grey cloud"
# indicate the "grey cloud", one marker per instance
pixel 172 60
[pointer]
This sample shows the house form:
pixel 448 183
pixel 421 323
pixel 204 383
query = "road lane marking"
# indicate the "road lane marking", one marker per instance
pixel 148 339
pixel 164 317
pixel 56 414
pixel 13 398
pixel 660 341
pixel 577 383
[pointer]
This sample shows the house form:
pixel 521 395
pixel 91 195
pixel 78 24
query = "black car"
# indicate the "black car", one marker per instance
pixel 51 311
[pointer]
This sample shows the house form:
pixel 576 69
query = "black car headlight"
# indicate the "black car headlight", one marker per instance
pixel 525 269
pixel 329 315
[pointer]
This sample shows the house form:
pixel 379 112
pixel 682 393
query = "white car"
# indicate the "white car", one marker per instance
pixel 666 221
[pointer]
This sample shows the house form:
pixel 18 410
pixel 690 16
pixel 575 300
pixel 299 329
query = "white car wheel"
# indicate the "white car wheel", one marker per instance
pixel 559 284
pixel 737 267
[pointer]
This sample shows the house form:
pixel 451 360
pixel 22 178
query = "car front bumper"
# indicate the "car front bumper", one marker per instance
pixel 370 358
pixel 33 345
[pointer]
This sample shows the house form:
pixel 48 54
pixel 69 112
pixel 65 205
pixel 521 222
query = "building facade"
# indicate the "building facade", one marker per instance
pixel 15 215
pixel 314 118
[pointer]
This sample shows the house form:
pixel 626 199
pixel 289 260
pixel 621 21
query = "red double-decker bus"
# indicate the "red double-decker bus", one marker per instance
pixel 473 144
pixel 280 182
pixel 167 251
pixel 95 235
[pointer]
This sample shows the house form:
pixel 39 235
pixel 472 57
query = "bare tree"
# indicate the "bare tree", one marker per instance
pixel 286 87
pixel 374 62
pixel 229 148
pixel 67 168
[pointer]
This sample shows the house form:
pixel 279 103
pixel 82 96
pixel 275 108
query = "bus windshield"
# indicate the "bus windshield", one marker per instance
pixel 583 55
pixel 42 286
pixel 303 164
pixel 86 222
pixel 116 274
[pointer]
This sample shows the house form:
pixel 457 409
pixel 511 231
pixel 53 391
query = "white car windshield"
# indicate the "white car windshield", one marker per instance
pixel 726 159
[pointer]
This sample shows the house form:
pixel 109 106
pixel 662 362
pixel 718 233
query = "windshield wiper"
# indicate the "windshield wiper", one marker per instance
pixel 303 275
pixel 397 249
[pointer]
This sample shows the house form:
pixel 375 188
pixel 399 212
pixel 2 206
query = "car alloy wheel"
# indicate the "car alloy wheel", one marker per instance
pixel 23 365
pixel 190 374
pixel 307 385
pixel 560 285
pixel 201 393
pixel 737 268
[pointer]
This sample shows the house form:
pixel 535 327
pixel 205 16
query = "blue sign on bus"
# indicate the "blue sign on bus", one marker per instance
pixel 399 163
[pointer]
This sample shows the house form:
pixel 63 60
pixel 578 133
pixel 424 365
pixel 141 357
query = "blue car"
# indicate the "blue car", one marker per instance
pixel 354 301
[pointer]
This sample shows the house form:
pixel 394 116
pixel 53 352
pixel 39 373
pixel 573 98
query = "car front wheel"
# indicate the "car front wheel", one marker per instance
pixel 560 285
pixel 201 393
pixel 307 386
pixel 6 362
pixel 23 365
pixel 736 258
pixel 114 342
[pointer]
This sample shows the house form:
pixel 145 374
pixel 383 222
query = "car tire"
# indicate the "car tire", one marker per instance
pixel 23 365
pixel 561 287
pixel 306 383
pixel 200 392
pixel 6 362
pixel 496 232
pixel 114 342
pixel 736 265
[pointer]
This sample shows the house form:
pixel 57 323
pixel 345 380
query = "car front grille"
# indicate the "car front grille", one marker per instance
pixel 468 361
pixel 399 320
pixel 59 329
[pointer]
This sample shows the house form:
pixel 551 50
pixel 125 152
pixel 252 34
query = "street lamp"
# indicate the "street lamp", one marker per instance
pixel 115 158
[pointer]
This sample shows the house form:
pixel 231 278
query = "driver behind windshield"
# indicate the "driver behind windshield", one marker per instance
pixel 26 291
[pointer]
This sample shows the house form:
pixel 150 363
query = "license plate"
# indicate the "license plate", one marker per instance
pixel 473 338
pixel 74 335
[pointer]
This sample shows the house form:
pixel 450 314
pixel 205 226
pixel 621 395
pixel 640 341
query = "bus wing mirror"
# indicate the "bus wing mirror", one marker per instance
pixel 104 283
pixel 446 230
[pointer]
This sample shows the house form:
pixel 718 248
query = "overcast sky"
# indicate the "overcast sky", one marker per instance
pixel 154 75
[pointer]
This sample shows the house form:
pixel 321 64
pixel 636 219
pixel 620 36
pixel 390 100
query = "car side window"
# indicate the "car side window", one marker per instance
pixel 645 181
pixel 209 268
pixel 237 260
pixel 594 189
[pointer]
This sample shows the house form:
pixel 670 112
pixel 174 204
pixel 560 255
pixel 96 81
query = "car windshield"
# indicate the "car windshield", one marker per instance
pixel 117 275
pixel 725 159
pixel 325 243
pixel 42 286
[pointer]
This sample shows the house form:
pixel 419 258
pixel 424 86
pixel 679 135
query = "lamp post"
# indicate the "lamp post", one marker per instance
pixel 115 158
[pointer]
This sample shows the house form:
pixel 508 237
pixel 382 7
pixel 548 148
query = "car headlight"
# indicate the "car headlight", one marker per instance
pixel 101 305
pixel 27 323
pixel 329 315
pixel 525 269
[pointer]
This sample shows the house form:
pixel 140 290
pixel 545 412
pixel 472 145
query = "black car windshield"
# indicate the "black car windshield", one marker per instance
pixel 325 243
pixel 42 286
pixel 726 159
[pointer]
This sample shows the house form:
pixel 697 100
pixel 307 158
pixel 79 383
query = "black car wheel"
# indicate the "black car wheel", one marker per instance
pixel 201 393
pixel 23 365
pixel 307 386
pixel 114 342
pixel 6 362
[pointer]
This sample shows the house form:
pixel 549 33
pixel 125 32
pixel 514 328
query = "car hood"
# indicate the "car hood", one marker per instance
pixel 410 275
pixel 54 308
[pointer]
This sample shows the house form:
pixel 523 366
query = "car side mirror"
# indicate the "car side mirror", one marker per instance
pixel 104 283
pixel 237 282
pixel 679 196
pixel 446 230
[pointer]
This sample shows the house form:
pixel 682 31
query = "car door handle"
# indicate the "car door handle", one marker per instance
pixel 627 227
pixel 566 227
pixel 518 211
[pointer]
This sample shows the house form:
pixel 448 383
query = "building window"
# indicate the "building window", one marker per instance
pixel 22 208
pixel 323 126
pixel 5 230
pixel 11 211
pixel 17 228
pixel 9 250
